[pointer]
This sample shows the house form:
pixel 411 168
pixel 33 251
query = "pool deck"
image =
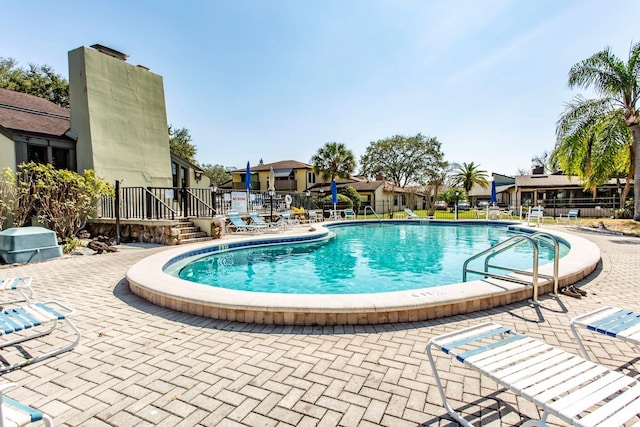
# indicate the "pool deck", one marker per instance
pixel 142 365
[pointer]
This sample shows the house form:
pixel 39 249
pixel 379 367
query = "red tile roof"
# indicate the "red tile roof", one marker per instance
pixel 21 112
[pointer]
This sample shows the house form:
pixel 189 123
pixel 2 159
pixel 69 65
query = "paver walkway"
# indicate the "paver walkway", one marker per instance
pixel 141 365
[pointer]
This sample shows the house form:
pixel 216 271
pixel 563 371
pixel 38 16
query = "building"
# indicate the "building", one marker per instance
pixel 34 129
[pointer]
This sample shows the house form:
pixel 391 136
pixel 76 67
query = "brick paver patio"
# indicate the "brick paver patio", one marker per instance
pixel 141 365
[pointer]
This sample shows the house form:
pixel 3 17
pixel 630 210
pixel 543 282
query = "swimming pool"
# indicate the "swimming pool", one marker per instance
pixel 367 258
pixel 149 280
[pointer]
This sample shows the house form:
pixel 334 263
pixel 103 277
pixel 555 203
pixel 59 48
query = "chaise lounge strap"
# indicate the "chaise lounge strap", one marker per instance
pixel 20 413
pixel 578 391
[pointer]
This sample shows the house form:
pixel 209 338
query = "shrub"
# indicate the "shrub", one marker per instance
pixel 61 199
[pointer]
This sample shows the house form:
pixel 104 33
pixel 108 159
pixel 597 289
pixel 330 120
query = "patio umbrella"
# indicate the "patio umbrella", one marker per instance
pixel 272 190
pixel 334 196
pixel 247 183
pixel 494 197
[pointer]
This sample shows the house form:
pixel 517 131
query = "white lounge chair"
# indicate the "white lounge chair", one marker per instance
pixel 39 318
pixel 610 321
pixel 535 215
pixel 14 413
pixel 349 214
pixel 412 215
pixel 22 285
pixel 578 391
pixel 238 224
pixel 571 215
pixel 274 226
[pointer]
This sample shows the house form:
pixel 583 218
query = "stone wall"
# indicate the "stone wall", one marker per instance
pixel 163 234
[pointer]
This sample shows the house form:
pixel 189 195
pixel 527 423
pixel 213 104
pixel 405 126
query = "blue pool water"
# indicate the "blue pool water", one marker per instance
pixel 365 258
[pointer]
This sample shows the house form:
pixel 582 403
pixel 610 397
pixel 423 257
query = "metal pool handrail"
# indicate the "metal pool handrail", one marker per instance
pixel 504 245
pixel 556 257
pixel 372 211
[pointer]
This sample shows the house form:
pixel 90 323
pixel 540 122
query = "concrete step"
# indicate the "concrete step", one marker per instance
pixel 193 235
pixel 184 230
pixel 184 224
pixel 195 240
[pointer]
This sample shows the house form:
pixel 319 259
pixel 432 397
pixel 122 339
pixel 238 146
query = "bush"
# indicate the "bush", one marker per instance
pixel 60 199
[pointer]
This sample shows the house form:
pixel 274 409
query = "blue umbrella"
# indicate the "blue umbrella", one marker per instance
pixel 247 177
pixel 494 197
pixel 247 183
pixel 334 196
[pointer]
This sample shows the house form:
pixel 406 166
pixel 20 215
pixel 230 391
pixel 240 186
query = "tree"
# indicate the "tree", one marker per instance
pixel 468 175
pixel 404 160
pixel 180 144
pixel 546 160
pixel 217 174
pixel 38 80
pixel 595 147
pixel 595 122
pixel 333 160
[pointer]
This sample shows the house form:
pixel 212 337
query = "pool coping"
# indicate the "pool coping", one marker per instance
pixel 147 280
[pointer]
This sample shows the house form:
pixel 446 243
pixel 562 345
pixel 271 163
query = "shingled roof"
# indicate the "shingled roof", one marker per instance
pixel 29 114
pixel 284 164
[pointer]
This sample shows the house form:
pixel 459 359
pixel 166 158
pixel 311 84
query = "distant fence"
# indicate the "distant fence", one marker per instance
pixel 175 203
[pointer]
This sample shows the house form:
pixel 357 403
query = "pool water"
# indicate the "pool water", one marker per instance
pixel 366 258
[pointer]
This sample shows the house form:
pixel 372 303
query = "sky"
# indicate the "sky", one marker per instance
pixel 275 80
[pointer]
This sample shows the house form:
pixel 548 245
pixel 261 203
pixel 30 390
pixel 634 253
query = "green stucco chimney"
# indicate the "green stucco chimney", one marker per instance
pixel 119 114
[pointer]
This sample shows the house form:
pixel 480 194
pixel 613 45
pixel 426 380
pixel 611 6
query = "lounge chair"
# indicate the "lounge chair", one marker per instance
pixel 39 318
pixel 349 214
pixel 275 226
pixel 412 215
pixel 535 216
pixel 571 215
pixel 239 225
pixel 610 321
pixel 14 413
pixel 313 216
pixel 22 285
pixel 578 391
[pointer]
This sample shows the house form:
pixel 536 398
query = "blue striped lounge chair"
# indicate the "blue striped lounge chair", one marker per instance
pixel 238 224
pixel 32 321
pixel 258 220
pixel 21 285
pixel 576 390
pixel 610 321
pixel 14 413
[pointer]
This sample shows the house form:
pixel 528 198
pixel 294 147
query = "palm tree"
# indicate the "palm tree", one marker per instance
pixel 468 175
pixel 597 122
pixel 333 160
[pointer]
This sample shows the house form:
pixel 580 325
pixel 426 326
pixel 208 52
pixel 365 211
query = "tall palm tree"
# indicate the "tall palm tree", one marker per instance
pixel 470 174
pixel 595 120
pixel 333 160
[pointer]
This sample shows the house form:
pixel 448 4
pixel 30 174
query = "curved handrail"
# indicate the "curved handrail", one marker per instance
pixel 505 244
pixel 372 211
pixel 556 256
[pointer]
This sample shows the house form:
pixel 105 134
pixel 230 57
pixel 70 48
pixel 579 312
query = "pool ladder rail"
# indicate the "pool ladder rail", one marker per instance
pixel 373 212
pixel 511 243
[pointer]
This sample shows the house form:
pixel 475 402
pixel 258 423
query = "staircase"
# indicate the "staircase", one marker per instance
pixel 190 233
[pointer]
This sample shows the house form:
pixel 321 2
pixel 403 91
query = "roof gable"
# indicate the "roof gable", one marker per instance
pixel 22 112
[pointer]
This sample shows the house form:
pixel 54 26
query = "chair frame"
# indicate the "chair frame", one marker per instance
pixel 577 391
pixel 36 317
pixel 412 215
pixel 240 226
pixel 611 321
pixel 22 285
pixel 13 412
